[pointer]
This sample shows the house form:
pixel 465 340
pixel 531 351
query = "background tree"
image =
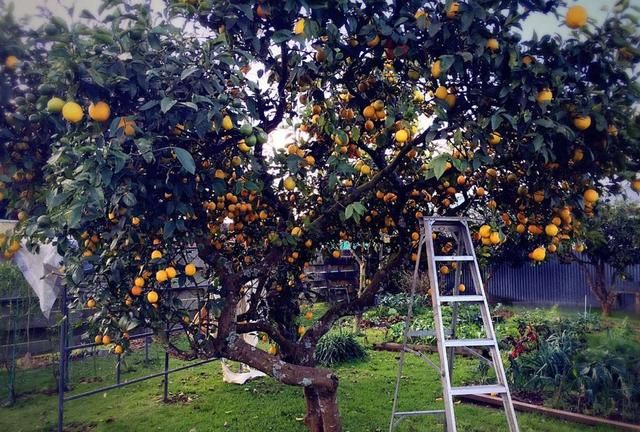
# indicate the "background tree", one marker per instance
pixel 135 144
pixel 612 238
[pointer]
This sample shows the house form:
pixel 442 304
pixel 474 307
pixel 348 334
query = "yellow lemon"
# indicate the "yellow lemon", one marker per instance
pixel 289 183
pixel 485 231
pixel 551 230
pixel 435 69
pixel 72 112
pixel 227 123
pixel 402 136
pixel 152 297
pixel 538 254
pixel 55 104
pixel 156 254
pixel 139 282
pixel 495 138
pixel 161 276
pixel 298 27
pixel 171 272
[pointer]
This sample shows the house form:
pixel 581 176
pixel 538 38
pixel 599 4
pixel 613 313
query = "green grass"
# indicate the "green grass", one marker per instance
pixel 202 402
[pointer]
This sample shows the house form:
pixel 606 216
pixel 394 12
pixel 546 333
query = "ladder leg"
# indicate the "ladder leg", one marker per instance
pixel 407 327
pixel 437 317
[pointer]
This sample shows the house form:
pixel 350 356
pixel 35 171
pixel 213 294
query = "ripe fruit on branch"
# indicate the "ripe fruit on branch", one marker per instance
pixel 576 17
pixel 99 111
pixel 72 112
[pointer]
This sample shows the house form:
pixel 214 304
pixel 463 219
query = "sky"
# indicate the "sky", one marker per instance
pixel 542 24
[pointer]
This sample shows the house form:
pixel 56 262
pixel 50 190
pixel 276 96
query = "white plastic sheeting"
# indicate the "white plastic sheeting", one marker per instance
pixel 41 270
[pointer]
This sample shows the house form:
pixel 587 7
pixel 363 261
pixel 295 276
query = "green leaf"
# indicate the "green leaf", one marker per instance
pixel 166 104
pixel 281 36
pixel 188 72
pixel 446 61
pixel 185 159
pixel 348 212
pixel 145 149
pixel 439 165
pixel 149 105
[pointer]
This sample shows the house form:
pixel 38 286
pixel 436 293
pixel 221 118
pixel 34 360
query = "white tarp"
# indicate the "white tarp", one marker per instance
pixel 41 270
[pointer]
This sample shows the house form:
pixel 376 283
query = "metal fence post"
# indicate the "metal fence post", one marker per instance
pixel 166 376
pixel 63 356
pixel 118 362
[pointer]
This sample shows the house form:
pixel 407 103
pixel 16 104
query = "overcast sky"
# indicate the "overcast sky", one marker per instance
pixel 540 23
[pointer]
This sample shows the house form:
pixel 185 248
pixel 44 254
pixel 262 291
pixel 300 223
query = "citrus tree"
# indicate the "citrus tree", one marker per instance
pixel 612 238
pixel 137 143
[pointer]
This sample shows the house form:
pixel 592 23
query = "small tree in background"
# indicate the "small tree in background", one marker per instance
pixel 612 238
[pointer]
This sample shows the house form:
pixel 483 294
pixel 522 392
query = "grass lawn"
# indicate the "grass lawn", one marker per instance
pixel 202 402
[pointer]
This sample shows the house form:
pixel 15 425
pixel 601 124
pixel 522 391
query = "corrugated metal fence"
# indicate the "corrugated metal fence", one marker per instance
pixel 554 283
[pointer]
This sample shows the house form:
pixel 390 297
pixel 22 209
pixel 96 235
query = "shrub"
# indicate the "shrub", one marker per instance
pixel 334 348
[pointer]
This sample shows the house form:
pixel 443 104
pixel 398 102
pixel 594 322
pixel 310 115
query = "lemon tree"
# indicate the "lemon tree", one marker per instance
pixel 137 143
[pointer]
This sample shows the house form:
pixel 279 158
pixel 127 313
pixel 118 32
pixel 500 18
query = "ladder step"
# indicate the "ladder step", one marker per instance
pixel 461 298
pixel 469 342
pixel 453 258
pixel 426 333
pixel 417 413
pixel 478 390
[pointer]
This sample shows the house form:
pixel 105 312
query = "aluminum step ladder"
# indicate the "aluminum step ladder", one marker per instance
pixel 458 230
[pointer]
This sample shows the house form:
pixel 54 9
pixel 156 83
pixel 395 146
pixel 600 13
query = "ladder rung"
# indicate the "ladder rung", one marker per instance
pixel 461 298
pixel 453 258
pixel 417 413
pixel 469 342
pixel 426 333
pixel 478 390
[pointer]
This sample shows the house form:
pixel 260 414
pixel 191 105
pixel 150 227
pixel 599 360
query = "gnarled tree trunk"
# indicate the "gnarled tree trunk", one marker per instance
pixel 322 410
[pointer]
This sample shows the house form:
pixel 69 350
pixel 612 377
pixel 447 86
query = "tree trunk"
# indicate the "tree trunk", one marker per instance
pixel 606 309
pixel 322 410
pixel 596 282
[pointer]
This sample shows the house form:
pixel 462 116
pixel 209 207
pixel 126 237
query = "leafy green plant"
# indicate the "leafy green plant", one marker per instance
pixel 12 283
pixel 608 380
pixel 335 348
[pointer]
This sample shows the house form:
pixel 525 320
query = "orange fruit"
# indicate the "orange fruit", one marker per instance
pixel 492 44
pixel 576 17
pixel 538 254
pixel 441 92
pixel 591 196
pixel 129 126
pixel 152 297
pixel 100 111
pixel 190 269
pixel 582 122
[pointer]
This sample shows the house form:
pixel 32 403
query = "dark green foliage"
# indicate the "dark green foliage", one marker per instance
pixel 335 348
pixel 561 366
